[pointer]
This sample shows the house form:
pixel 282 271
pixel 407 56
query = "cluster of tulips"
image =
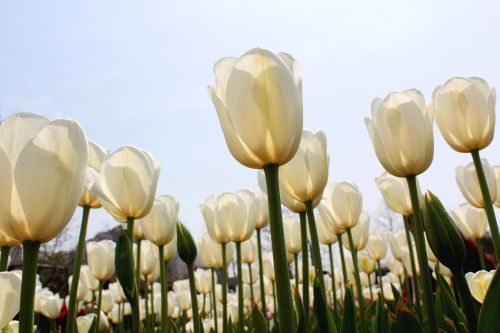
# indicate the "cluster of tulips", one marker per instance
pixel 49 168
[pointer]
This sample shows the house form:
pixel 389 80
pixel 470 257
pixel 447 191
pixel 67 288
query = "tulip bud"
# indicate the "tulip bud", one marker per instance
pixel 159 224
pixel 101 259
pixel 325 236
pixel 464 110
pixel 468 183
pixel 397 240
pixel 186 247
pixel 340 208
pixel 10 289
pixel 366 264
pixel 249 251
pixel 265 90
pixel 396 193
pixel 291 229
pixel 478 283
pixel 442 235
pixel 377 246
pixel 401 133
pixel 359 233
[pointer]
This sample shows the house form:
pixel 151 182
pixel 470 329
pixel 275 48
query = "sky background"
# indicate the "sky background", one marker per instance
pixel 137 73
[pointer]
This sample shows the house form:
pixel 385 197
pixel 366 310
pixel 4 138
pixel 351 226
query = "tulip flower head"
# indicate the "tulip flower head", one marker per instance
pixel 359 233
pixel 159 225
pixel 472 222
pixel 291 227
pixel 464 110
pixel 341 206
pixel 396 193
pixel 96 155
pixel 468 183
pixel 101 259
pixel 10 296
pixel 265 90
pixel 478 283
pixel 401 133
pixel 377 246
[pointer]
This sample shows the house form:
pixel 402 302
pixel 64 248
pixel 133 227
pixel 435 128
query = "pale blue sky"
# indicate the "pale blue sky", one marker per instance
pixel 137 74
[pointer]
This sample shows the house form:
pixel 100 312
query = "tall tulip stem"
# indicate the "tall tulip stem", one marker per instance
pixel 135 303
pixel 138 266
pixel 240 287
pixel 305 266
pixel 224 289
pixel 318 265
pixel 296 266
pixel 261 274
pixel 480 252
pixel 284 292
pixel 146 303
pixel 380 282
pixel 4 258
pixel 342 259
pixel 70 323
pixel 251 281
pixel 214 302
pixel 416 290
pixel 194 299
pixel 488 206
pixel 425 276
pixel 28 284
pixel 98 311
pixel 361 301
pixel 332 275
pixel 163 288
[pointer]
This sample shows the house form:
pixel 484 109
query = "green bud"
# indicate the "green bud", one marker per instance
pixel 186 247
pixel 443 237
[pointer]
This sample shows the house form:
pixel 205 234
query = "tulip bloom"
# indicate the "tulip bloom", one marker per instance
pixel 464 110
pixel 478 283
pixel 377 246
pixel 396 193
pixel 472 222
pixel 360 233
pixel 159 225
pixel 101 259
pixel 291 226
pixel 469 186
pixel 10 296
pixel 341 206
pixel 83 323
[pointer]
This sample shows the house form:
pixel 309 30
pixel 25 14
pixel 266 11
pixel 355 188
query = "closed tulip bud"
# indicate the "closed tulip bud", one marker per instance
pixel 249 251
pixel 88 278
pixel 43 167
pixel 51 306
pixel 305 176
pixel 83 323
pixel 246 274
pixel 397 240
pixel 186 247
pixel 81 291
pixel 291 228
pixel 396 267
pixel 396 193
pixel 340 208
pixel 101 259
pixel 159 224
pixel 325 236
pixel 366 263
pixel 261 208
pixel 401 133
pixel 127 182
pixel 464 110
pixel 148 260
pixel 472 222
pixel 10 296
pixel 442 235
pixel 479 283
pixel 359 233
pixel 108 300
pixel 203 281
pixel 469 184
pixel 183 298
pixel 265 90
pixel 137 233
pixel 96 155
pixel 377 246
pixel 268 264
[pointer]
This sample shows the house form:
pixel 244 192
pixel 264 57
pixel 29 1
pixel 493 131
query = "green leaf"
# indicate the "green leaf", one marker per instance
pixel 299 312
pixel 450 307
pixel 124 264
pixel 321 311
pixel 395 292
pixel 258 319
pixel 488 317
pixel 349 317
pixel 405 322
pixel 186 247
pixel 380 323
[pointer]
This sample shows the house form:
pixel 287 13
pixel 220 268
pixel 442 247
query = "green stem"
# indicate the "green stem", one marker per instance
pixel 305 266
pixel 99 300
pixel 261 274
pixel 370 286
pixel 136 319
pixel 332 275
pixel 361 301
pixel 251 281
pixel 317 262
pixel 296 265
pixel 240 288
pixel 4 259
pixel 407 286
pixel 425 276
pixel 214 301
pixel 284 293
pixel 28 284
pixel 224 289
pixel 71 321
pixel 138 267
pixel 380 282
pixel 146 303
pixel 466 297
pixel 416 290
pixel 274 299
pixel 342 259
pixel 194 300
pixel 488 206
pixel 480 252
pixel 203 310
pixel 163 282
pixel 153 313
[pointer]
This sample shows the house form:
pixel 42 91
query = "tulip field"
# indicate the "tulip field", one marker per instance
pixel 323 271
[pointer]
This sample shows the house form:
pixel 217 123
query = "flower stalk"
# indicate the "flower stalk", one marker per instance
pixel 28 284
